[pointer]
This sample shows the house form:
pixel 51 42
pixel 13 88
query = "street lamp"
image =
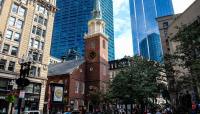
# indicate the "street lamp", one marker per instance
pixel 22 81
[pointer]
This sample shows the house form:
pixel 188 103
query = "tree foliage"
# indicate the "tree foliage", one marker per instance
pixel 187 54
pixel 138 81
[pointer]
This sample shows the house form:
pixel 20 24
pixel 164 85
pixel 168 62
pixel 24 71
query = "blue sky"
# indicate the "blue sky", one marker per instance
pixel 123 36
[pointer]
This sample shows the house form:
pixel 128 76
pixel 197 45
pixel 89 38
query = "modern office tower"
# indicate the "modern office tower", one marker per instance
pixel 71 24
pixel 25 30
pixel 145 32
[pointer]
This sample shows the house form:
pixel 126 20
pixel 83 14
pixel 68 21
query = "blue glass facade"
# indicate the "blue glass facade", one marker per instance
pixel 71 23
pixel 146 39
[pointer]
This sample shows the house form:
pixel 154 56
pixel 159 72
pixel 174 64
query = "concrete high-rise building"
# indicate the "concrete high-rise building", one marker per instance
pixel 25 30
pixel 71 24
pixel 145 32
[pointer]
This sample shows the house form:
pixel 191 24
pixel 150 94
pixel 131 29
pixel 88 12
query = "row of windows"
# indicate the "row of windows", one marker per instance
pixel 12 21
pixel 38 31
pixel 13 36
pixel 36 44
pixel 12 50
pixel 36 56
pixel 18 10
pixel 4 63
pixel 40 20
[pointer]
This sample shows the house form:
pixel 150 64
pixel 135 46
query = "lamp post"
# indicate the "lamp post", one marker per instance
pixel 22 81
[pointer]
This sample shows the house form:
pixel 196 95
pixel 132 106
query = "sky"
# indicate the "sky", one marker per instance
pixel 122 25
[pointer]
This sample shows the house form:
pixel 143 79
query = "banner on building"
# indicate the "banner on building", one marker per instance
pixel 58 94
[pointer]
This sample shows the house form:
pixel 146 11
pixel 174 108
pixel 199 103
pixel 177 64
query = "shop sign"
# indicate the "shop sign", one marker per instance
pixel 58 94
pixel 22 94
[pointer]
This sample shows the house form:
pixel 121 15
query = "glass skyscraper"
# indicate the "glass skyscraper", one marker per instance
pixel 145 32
pixel 70 25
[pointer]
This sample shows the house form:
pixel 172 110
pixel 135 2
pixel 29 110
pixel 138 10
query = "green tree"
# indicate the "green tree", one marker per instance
pixel 187 53
pixel 137 82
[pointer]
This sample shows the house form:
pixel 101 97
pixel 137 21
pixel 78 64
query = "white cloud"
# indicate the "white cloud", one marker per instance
pixel 123 45
pixel 122 25
pixel 181 5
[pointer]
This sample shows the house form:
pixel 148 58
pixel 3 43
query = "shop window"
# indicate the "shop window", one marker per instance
pixel 6 48
pixel 14 8
pixel 21 11
pixel 29 88
pixel 11 21
pixel 19 24
pixel 14 51
pixel 3 84
pixel 9 34
pixel 16 37
pixel 37 89
pixel 11 66
pixel 2 64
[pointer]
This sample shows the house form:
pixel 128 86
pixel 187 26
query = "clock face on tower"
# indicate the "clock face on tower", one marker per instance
pixel 92 55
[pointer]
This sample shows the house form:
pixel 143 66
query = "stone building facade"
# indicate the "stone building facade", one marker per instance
pixel 25 29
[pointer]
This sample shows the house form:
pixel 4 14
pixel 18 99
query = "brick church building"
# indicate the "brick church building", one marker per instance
pixel 69 82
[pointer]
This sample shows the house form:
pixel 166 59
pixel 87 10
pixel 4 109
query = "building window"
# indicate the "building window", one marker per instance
pixel 34 29
pixel 29 88
pixel 77 87
pixel 11 21
pixel 16 37
pixel 45 22
pixel 11 66
pixel 14 8
pixel 6 48
pixel 19 24
pixel 38 72
pixel 35 56
pixel 9 34
pixel 43 33
pixel 14 51
pixel 40 9
pixel 2 64
pixel 21 11
pixel 40 20
pixel 37 89
pixel 165 24
pixel 82 88
pixel 42 45
pixel 24 1
pixel 31 42
pixel 36 44
pixel 1 4
pixel 35 18
pixel 33 71
pixel 40 57
pixel 39 31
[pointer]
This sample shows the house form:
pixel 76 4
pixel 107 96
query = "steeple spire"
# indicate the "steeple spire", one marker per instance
pixel 96 13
